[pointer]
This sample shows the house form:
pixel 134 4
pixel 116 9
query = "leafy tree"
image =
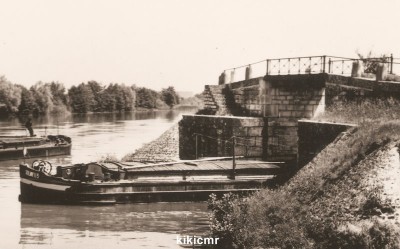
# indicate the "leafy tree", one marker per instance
pixel 43 98
pixel 81 98
pixel 170 97
pixel 146 98
pixel 28 104
pixel 97 90
pixel 58 92
pixel 46 98
pixel 129 97
pixel 10 95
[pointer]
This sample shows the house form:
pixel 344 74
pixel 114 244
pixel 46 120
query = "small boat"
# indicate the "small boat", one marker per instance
pixel 17 147
pixel 115 182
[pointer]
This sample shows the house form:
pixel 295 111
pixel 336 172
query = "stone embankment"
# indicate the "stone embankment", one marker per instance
pixel 386 176
pixel 163 149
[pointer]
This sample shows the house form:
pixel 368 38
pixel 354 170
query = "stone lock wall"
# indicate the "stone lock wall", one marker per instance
pixel 294 96
pixel 285 100
pixel 245 97
pixel 214 136
pixel 279 101
pixel 314 136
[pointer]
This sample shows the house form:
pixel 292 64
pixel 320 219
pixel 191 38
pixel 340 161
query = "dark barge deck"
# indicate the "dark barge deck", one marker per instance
pixel 112 183
pixel 12 147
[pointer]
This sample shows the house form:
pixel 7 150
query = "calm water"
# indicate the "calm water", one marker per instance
pixel 121 226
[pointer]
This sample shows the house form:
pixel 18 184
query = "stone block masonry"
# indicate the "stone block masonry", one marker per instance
pixel 280 101
pixel 284 100
pixel 293 96
pixel 246 96
pixel 213 135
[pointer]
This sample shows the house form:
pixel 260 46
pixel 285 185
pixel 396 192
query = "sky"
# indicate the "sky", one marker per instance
pixel 187 43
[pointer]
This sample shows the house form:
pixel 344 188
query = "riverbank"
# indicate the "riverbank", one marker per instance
pixel 163 149
pixel 346 197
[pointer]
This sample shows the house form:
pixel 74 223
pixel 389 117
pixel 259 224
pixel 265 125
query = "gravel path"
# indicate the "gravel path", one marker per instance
pixel 163 149
pixel 386 174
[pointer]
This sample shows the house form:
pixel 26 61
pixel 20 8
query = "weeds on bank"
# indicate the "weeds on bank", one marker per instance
pixel 371 110
pixel 108 158
pixel 325 205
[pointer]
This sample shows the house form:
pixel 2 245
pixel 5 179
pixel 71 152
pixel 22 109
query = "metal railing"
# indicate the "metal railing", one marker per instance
pixel 305 65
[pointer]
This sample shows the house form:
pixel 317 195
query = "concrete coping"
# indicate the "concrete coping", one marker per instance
pixel 326 122
pixel 217 116
pixel 366 78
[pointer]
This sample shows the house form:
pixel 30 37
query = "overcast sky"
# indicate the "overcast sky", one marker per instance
pixel 184 43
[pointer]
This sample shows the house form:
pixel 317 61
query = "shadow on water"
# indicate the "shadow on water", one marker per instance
pixel 169 218
pixel 154 217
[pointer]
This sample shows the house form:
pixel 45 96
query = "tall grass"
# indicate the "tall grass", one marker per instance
pixel 366 111
pixel 327 203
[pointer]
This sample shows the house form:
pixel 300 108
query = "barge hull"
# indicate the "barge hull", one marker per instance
pixel 34 152
pixel 31 192
pixel 95 183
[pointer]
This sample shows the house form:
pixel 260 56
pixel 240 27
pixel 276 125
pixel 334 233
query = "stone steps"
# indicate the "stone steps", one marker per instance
pixel 215 99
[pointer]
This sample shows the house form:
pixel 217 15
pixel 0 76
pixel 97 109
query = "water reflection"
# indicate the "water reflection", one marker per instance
pixel 133 223
pixel 98 134
pixel 120 226
pixel 174 218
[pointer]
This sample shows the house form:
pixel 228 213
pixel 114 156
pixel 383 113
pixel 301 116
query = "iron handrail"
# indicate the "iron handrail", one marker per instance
pixel 313 64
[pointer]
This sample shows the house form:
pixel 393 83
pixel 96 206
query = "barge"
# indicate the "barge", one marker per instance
pixel 114 182
pixel 17 147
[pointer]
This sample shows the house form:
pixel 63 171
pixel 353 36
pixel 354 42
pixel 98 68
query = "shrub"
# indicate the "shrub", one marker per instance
pixel 108 158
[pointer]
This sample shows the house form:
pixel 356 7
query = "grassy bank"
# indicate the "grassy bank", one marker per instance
pixel 339 200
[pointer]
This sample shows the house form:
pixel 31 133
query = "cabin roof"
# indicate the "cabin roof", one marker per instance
pixel 200 165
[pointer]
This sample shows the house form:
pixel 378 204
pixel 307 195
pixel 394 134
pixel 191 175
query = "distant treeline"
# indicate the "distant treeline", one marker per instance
pixel 52 98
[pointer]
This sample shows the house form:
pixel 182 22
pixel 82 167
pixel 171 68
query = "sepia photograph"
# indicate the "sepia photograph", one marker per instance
pixel 199 124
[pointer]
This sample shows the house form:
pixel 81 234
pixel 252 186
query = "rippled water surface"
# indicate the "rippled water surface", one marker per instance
pixel 154 225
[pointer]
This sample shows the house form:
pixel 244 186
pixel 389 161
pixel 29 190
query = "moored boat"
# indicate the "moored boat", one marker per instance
pixel 113 182
pixel 17 147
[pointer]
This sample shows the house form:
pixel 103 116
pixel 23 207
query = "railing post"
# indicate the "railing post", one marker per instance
pixel 248 72
pixel 391 63
pixel 342 67
pixel 323 63
pixel 289 66
pixel 381 72
pixel 196 147
pixel 222 78
pixel 329 65
pixel 279 66
pixel 233 159
pixel 357 68
pixel 267 66
pixel 299 65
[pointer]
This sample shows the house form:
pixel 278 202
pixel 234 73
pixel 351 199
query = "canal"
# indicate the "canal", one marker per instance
pixel 154 225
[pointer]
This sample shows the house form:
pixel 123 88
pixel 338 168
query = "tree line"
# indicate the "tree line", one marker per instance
pixel 53 98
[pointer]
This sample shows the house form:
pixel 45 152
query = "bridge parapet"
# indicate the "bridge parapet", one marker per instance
pixel 280 93
pixel 311 65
